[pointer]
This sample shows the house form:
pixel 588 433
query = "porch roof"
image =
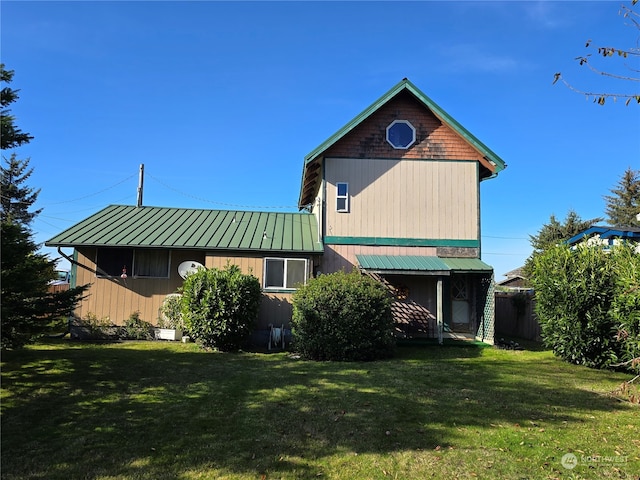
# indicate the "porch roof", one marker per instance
pixel 421 265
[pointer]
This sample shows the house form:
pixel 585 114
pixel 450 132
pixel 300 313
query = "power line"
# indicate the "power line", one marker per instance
pixel 217 203
pixel 96 206
pixel 504 238
pixel 94 193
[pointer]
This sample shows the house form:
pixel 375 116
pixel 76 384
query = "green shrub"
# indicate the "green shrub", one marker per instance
pixel 587 303
pixel 625 307
pixel 343 316
pixel 171 312
pixel 219 307
pixel 135 328
pixel 94 328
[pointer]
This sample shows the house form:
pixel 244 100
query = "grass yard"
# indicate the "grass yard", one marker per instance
pixel 152 410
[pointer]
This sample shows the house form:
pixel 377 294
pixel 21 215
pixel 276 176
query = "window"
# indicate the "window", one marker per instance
pixel 112 261
pixel 150 263
pixel 459 289
pixel 284 272
pixel 401 134
pixel 342 197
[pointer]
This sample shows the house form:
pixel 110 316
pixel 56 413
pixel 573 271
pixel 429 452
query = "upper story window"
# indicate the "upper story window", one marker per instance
pixel 342 197
pixel 401 134
pixel 287 273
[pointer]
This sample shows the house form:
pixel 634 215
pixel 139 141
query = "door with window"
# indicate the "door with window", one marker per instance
pixel 460 308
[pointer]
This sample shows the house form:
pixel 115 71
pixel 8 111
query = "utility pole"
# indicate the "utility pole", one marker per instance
pixel 140 185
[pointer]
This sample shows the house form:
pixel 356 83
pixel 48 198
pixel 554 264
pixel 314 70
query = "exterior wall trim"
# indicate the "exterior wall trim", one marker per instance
pixel 403 242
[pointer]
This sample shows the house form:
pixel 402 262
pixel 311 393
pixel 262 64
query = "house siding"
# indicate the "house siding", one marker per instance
pixel 403 198
pixel 422 201
pixel 275 307
pixel 118 298
pixel 343 257
pixel 433 138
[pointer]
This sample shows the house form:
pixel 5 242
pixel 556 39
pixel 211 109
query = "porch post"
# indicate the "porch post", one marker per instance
pixel 439 315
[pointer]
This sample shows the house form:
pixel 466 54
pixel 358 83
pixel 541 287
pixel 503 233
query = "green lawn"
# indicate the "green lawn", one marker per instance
pixel 155 410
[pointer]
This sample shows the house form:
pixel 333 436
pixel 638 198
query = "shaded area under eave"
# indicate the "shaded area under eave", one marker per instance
pixel 421 265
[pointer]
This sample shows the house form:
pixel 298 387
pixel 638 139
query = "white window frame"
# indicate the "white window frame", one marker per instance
pixel 284 275
pixel 342 197
pixel 406 122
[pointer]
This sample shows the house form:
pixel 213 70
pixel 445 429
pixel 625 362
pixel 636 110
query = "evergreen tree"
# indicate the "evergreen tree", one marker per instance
pixel 10 135
pixel 623 206
pixel 553 233
pixel 16 197
pixel 28 310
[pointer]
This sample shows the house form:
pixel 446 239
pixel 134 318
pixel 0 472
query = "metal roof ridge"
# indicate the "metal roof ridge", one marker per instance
pixel 134 207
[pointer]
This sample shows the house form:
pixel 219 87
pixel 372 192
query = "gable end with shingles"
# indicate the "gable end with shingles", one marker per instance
pixel 364 136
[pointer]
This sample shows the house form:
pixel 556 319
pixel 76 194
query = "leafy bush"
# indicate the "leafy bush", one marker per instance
pixel 587 303
pixel 343 316
pixel 135 328
pixel 625 307
pixel 171 312
pixel 219 307
pixel 92 327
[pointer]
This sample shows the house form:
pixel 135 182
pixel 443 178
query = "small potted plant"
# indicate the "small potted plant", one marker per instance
pixel 170 319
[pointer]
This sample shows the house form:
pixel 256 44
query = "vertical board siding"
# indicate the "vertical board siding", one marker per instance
pixel 252 265
pixel 415 316
pixel 275 307
pixel 343 257
pixel 515 316
pixel 404 198
pixel 118 298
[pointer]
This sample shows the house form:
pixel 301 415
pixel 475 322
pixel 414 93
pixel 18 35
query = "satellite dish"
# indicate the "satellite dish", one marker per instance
pixel 187 268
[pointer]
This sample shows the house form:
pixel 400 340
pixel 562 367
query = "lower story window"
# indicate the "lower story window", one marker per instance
pixel 151 263
pixel 113 262
pixel 285 272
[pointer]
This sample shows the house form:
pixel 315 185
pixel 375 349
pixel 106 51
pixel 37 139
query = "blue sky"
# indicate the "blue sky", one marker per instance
pixel 222 101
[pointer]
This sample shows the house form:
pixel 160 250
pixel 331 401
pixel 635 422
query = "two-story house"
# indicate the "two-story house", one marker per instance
pixel 394 193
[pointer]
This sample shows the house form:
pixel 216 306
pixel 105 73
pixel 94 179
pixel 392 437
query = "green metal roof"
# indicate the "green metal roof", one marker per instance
pixel 404 84
pixel 129 226
pixel 421 264
pixel 467 265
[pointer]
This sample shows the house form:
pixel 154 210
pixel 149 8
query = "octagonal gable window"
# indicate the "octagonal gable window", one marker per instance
pixel 401 134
